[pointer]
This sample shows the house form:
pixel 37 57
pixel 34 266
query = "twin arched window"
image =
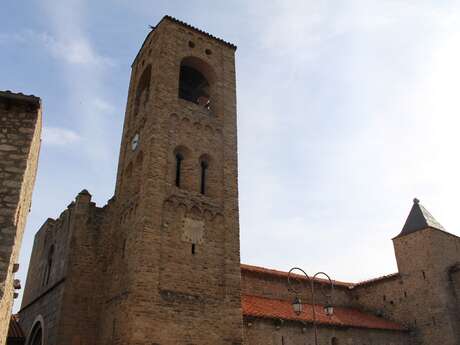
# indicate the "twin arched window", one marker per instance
pixel 203 165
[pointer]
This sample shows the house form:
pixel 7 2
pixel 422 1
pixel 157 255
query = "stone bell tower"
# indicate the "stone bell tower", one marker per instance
pixel 175 266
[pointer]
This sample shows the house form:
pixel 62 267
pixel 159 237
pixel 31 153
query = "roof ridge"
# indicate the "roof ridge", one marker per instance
pixel 270 271
pixel 377 279
pixel 178 21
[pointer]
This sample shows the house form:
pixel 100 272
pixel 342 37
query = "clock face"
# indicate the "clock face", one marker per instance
pixel 135 142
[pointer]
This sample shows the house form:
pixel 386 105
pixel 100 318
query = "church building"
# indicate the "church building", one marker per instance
pixel 159 264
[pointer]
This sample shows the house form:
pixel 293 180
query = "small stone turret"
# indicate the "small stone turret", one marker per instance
pixel 425 252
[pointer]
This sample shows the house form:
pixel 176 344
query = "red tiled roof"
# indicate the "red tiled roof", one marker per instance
pixel 377 280
pixel 281 274
pixel 343 317
pixel 15 330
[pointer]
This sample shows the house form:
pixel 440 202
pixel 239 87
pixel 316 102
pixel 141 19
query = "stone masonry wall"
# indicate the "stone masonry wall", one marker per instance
pixel 423 295
pixel 386 297
pixel 270 332
pixel 46 282
pixel 20 130
pixel 270 286
pixel 424 259
pixel 157 224
pixel 65 293
pixel 82 298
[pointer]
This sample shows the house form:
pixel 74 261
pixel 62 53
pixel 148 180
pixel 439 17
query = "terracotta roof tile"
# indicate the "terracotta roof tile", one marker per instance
pixel 261 307
pixel 282 274
pixel 188 26
pixel 377 280
pixel 180 22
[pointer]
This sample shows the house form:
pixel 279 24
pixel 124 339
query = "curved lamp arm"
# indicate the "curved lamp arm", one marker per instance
pixel 289 279
pixel 328 309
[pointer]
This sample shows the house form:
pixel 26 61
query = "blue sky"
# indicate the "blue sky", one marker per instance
pixel 346 112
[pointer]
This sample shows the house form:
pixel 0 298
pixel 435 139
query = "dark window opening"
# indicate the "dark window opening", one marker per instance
pixel 139 166
pixel 143 89
pixel 129 170
pixel 179 159
pixel 36 335
pixel 423 273
pixel 123 249
pixel 334 341
pixel 194 87
pixel 204 168
pixel 114 325
pixel 405 294
pixel 384 297
pixel 282 340
pixel 49 265
pixel 193 248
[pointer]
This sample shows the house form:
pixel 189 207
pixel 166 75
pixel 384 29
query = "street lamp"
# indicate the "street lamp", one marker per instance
pixel 297 302
pixel 329 310
pixel 297 305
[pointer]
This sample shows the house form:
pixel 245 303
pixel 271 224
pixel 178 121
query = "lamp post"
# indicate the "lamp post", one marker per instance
pixel 297 303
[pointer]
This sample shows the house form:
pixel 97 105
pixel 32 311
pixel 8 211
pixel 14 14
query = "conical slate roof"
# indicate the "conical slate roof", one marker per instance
pixel 419 218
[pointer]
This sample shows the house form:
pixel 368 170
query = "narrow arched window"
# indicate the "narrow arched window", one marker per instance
pixel 36 335
pixel 204 168
pixel 49 266
pixel 139 164
pixel 129 170
pixel 179 160
pixel 334 341
pixel 143 89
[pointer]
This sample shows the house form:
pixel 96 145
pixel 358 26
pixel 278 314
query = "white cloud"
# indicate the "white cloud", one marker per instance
pixel 55 136
pixel 86 72
pixel 369 120
pixel 75 50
